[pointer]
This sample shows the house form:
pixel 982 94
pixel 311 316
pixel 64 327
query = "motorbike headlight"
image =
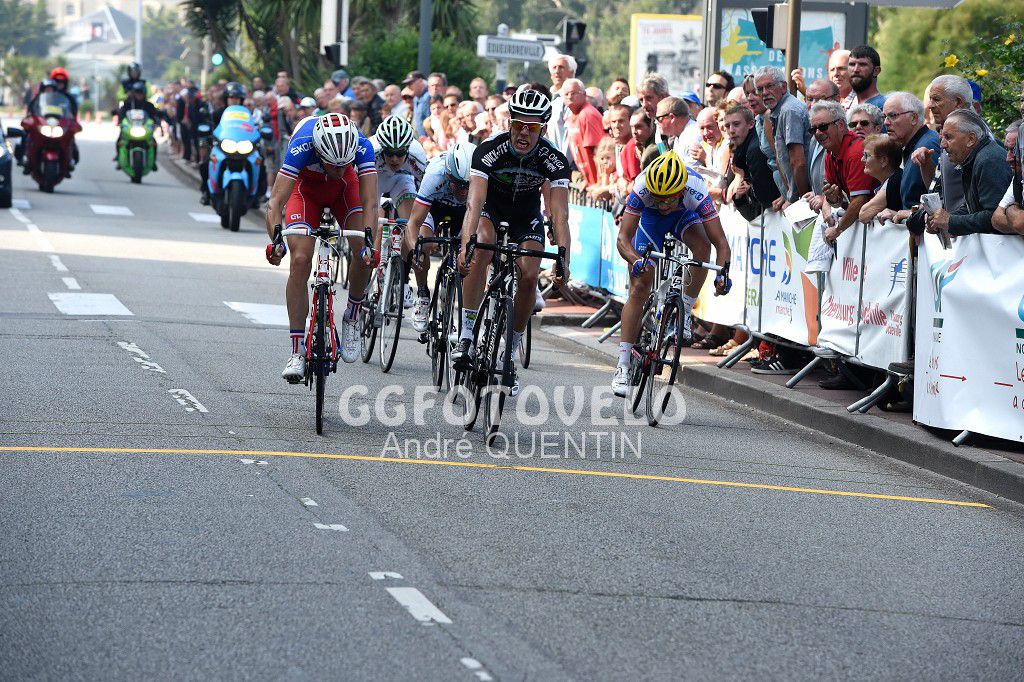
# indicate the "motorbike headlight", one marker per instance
pixel 51 131
pixel 245 147
pixel 229 146
pixel 137 131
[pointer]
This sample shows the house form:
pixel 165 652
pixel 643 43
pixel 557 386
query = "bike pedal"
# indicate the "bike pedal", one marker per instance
pixel 423 337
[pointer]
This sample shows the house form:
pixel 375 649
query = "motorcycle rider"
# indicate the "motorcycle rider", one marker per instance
pixel 234 95
pixel 136 99
pixel 134 76
pixel 59 75
pixel 21 149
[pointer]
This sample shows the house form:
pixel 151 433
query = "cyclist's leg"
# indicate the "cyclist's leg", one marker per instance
pixel 652 230
pixel 528 232
pixel 473 284
pixel 696 240
pixel 348 211
pixel 302 210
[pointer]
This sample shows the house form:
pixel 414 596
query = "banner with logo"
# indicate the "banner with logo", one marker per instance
pixel 729 309
pixel 789 297
pixel 840 295
pixel 969 363
pixel 884 301
pixel 585 249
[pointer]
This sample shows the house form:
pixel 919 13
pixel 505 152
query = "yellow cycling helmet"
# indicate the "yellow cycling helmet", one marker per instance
pixel 667 175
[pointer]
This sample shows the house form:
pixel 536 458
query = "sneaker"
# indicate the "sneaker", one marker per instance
pixel 419 316
pixel 410 298
pixel 539 302
pixel 463 355
pixel 295 371
pixel 514 391
pixel 620 382
pixel 772 365
pixel 837 381
pixel 351 341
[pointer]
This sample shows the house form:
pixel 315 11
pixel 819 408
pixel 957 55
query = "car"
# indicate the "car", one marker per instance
pixel 6 173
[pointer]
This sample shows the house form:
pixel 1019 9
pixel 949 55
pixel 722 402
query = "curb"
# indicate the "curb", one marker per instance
pixel 913 445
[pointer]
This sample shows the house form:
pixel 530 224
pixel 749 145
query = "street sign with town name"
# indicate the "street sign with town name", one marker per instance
pixel 500 48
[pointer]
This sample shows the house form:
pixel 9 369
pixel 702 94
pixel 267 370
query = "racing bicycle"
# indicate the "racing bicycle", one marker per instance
pixel 383 309
pixel 444 318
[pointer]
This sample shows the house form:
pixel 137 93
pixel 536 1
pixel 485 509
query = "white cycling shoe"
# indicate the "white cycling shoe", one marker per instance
pixel 620 382
pixel 351 341
pixel 295 371
pixel 419 316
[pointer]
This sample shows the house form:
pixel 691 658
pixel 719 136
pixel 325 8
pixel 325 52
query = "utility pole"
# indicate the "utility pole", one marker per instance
pixel 793 42
pixel 426 32
pixel 138 31
pixel 500 65
pixel 334 31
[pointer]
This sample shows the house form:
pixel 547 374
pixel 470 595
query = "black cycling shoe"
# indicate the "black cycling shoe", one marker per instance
pixel 204 198
pixel 463 355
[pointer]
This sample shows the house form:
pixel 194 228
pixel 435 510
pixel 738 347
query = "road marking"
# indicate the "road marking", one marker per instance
pixel 21 204
pixel 385 575
pixel 72 283
pixel 41 240
pixel 308 502
pixel 418 606
pixel 187 399
pixel 205 217
pixel 58 264
pixel 330 526
pixel 140 356
pixel 105 209
pixel 484 465
pixel 88 304
pixel 251 461
pixel 477 667
pixel 261 313
pixel 18 215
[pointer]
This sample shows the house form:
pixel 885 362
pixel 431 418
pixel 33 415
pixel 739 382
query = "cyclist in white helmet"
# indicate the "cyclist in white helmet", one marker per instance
pixel 442 194
pixel 401 163
pixel 329 164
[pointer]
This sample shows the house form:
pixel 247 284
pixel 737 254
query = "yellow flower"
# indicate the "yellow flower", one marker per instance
pixel 951 61
pixel 1009 40
pixel 981 72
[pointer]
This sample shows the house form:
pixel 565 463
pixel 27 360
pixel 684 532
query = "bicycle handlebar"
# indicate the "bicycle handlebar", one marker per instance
pixel 650 253
pixel 517 251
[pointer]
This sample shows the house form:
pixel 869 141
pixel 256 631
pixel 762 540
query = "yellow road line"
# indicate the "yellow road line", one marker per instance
pixel 483 465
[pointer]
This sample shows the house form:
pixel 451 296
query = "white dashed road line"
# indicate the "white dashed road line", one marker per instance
pixel 477 667
pixel 187 400
pixel 250 461
pixel 205 217
pixel 105 209
pixel 418 606
pixel 23 204
pixel 140 356
pixel 58 264
pixel 261 313
pixel 72 283
pixel 18 215
pixel 88 304
pixel 308 502
pixel 330 526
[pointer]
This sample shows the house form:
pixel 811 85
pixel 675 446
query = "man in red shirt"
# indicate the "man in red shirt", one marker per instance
pixel 846 183
pixel 616 125
pixel 583 127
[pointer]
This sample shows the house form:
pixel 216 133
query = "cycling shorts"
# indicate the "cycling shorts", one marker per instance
pixel 396 186
pixel 523 224
pixel 439 212
pixel 654 226
pixel 311 197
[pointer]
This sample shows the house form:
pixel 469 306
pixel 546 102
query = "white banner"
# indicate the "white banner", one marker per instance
pixel 884 301
pixel 969 364
pixel 728 309
pixel 840 296
pixel 789 297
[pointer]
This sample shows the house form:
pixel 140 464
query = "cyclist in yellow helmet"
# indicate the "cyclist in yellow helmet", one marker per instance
pixel 667 198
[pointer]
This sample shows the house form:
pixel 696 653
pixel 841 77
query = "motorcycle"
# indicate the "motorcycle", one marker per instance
pixel 49 130
pixel 235 166
pixel 136 149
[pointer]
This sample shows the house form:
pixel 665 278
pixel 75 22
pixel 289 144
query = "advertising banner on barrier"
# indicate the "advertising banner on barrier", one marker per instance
pixel 840 296
pixel 789 296
pixel 728 309
pixel 884 298
pixel 585 228
pixel 969 364
pixel 614 273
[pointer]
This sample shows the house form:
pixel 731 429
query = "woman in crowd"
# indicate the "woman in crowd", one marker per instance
pixel 882 159
pixel 437 126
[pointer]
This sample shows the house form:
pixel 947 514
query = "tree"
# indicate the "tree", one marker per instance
pixel 391 56
pixel 997 65
pixel 26 28
pixel 163 41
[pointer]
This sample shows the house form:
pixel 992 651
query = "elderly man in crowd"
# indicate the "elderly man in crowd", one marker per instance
pixel 946 94
pixel 678 130
pixel 966 139
pixel 617 91
pixel 818 91
pixel 478 91
pixel 437 83
pixel 561 67
pixel 1009 216
pixel 584 129
pixel 839 74
pixel 788 123
pixel 904 118
pixel 420 105
pixel 651 90
pixel 366 94
pixel 865 120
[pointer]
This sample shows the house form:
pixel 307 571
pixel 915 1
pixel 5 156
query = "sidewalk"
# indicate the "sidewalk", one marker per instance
pixel 990 464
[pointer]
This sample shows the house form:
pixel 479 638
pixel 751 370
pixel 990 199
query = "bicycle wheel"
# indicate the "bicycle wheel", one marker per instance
pixel 664 365
pixel 526 345
pixel 468 383
pixel 641 353
pixel 392 309
pixel 450 327
pixel 498 380
pixel 367 313
pixel 346 262
pixel 321 364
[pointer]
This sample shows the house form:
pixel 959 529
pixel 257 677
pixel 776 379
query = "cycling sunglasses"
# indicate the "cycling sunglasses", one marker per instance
pixel 458 184
pixel 667 201
pixel 516 126
pixel 395 153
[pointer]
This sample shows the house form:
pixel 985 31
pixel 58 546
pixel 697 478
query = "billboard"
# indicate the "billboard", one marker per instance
pixel 742 52
pixel 670 44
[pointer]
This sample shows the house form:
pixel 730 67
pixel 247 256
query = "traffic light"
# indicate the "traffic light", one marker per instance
pixel 572 33
pixel 217 59
pixel 333 53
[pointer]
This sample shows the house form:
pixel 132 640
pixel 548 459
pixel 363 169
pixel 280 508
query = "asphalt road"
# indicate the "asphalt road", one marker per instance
pixel 168 511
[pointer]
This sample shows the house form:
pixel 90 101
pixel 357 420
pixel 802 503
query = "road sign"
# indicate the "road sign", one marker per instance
pixel 500 48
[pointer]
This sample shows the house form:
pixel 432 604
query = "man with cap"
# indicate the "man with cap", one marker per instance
pixel 307 107
pixel 416 81
pixel 341 80
pixel 693 102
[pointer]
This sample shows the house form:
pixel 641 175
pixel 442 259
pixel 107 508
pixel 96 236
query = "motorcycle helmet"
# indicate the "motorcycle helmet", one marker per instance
pixel 60 74
pixel 336 139
pixel 136 68
pixel 234 90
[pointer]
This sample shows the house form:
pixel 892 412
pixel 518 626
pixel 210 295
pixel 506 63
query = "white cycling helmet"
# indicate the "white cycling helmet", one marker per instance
pixel 530 103
pixel 394 132
pixel 335 139
pixel 459 160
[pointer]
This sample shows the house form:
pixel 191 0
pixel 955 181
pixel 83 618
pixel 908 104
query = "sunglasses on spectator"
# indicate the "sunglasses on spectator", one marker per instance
pixel 714 86
pixel 861 124
pixel 516 126
pixel 822 127
pixel 452 105
pixel 661 116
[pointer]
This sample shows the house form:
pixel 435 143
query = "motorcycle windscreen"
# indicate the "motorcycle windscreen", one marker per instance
pixel 136 116
pixel 53 104
pixel 236 124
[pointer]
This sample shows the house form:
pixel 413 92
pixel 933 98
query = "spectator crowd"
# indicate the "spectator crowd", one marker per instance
pixel 761 142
